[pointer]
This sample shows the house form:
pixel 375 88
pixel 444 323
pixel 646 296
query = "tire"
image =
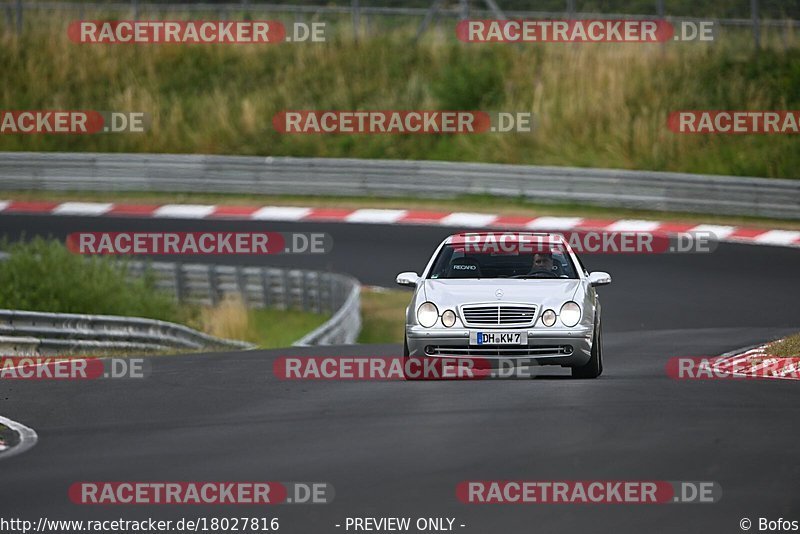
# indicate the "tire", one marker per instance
pixel 406 358
pixel 594 367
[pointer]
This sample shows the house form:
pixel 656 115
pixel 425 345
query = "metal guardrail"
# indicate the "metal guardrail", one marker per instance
pixel 664 191
pixel 362 16
pixel 267 287
pixel 30 332
pixel 342 328
pixel 25 332
pixel 455 10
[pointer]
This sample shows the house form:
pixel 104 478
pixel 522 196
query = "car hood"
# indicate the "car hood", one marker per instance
pixel 455 292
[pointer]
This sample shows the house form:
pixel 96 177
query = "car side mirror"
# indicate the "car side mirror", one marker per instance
pixel 599 278
pixel 408 278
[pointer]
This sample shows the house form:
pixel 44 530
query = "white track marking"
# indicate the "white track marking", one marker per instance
pixel 554 223
pixel 184 211
pixel 27 438
pixel 773 237
pixel 777 237
pixel 376 216
pixel 281 213
pixel 473 220
pixel 83 208
pixel 721 232
pixel 633 225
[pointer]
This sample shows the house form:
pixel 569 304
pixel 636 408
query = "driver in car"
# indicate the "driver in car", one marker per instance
pixel 542 261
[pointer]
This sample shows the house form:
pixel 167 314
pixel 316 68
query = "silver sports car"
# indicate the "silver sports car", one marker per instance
pixel 518 296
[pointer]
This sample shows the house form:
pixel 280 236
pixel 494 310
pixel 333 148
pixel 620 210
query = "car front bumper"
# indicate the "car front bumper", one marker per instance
pixel 569 347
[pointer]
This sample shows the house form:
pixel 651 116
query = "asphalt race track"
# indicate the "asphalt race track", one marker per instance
pixel 400 448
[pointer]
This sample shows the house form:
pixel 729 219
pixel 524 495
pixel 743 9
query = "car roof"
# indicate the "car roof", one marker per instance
pixel 552 236
pixel 541 237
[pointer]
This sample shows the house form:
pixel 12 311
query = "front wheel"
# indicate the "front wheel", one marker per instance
pixel 406 358
pixel 594 367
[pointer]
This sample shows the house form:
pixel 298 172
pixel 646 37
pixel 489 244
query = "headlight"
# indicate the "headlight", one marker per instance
pixel 549 318
pixel 427 314
pixel 448 318
pixel 570 314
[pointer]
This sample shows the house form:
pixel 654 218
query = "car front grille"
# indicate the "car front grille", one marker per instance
pixel 508 352
pixel 499 315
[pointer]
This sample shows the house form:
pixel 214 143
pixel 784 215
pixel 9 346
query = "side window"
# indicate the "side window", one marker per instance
pixel 583 268
pixel 442 262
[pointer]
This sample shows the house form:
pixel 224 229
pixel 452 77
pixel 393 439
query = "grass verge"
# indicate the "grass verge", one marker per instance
pixel 473 203
pixel 600 105
pixel 267 328
pixel 383 315
pixel 42 275
pixel 788 347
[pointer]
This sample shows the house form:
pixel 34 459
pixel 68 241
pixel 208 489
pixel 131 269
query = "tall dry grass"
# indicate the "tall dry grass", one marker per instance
pixel 228 319
pixel 595 105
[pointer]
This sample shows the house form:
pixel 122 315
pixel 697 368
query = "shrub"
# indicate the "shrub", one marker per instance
pixel 42 275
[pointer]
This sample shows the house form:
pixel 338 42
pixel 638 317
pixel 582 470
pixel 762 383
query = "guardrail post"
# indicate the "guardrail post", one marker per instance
pixel 212 284
pixel 332 292
pixel 286 290
pixel 266 287
pixel 317 293
pixel 463 9
pixel 785 27
pixel 180 293
pixel 241 285
pixel 430 16
pixel 756 23
pixel 304 290
pixel 356 19
pixel 18 23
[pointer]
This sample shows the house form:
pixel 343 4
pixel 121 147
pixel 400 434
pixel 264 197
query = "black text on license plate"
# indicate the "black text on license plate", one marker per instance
pixel 500 338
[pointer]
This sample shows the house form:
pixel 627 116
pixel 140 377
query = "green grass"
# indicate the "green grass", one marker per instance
pixel 383 315
pixel 786 348
pixel 271 329
pixel 42 275
pixel 595 105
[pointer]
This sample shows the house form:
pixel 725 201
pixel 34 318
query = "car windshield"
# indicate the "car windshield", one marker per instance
pixel 454 261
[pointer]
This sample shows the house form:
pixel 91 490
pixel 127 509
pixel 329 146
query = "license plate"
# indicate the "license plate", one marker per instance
pixel 498 338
